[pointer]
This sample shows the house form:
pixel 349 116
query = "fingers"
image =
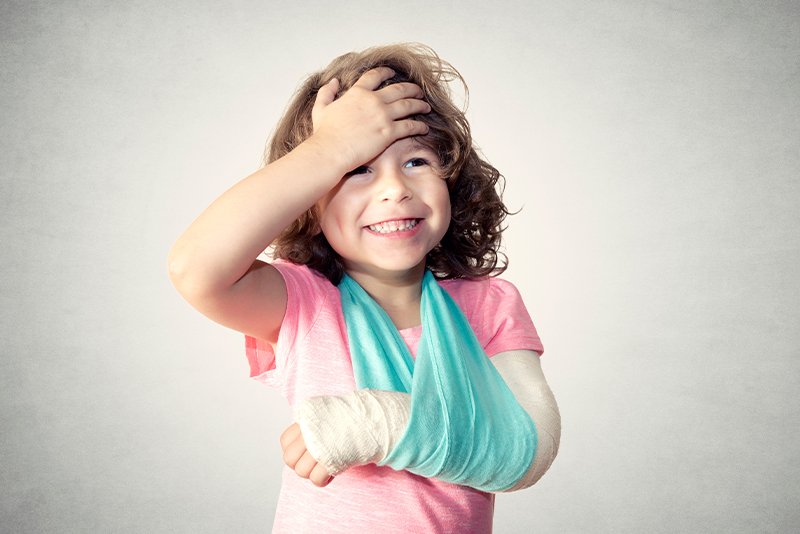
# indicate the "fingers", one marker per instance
pixel 407 107
pixel 293 445
pixel 371 79
pixel 307 467
pixel 289 435
pixel 325 97
pixel 327 93
pixel 319 476
pixel 399 91
pixel 297 457
pixel 364 121
pixel 409 127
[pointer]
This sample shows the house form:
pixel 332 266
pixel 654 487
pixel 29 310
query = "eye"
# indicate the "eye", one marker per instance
pixel 417 162
pixel 358 170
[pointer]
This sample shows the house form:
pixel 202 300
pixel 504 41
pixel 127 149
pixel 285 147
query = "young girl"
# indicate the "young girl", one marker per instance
pixel 386 226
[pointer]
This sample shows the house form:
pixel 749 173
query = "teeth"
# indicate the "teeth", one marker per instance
pixel 393 226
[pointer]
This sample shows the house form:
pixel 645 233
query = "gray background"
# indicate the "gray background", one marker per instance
pixel 653 147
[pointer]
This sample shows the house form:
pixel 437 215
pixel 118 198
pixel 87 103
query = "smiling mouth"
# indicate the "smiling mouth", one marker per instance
pixel 388 227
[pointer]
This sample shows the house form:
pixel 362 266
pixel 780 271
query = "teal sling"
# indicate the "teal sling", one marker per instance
pixel 466 427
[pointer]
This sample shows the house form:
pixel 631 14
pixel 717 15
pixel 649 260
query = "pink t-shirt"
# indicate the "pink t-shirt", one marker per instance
pixel 312 358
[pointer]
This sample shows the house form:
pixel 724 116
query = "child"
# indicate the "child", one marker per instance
pixel 386 226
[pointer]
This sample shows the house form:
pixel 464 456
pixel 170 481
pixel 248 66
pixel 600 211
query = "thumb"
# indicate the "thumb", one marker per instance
pixel 326 94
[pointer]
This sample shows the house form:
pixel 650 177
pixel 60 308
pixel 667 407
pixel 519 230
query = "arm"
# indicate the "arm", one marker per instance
pixel 334 433
pixel 213 263
pixel 362 427
pixel 522 372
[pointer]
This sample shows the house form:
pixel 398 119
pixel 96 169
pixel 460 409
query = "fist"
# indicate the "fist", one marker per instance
pixel 297 457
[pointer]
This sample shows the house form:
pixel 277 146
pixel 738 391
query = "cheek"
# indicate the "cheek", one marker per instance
pixel 444 200
pixel 447 218
pixel 338 213
pixel 327 217
pixel 445 211
pixel 331 207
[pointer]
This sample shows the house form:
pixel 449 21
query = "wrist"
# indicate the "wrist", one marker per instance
pixel 327 156
pixel 357 428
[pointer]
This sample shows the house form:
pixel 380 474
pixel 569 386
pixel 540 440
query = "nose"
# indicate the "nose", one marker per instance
pixel 392 186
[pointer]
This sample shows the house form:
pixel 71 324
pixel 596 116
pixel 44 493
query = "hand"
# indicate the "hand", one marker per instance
pixel 297 457
pixel 363 122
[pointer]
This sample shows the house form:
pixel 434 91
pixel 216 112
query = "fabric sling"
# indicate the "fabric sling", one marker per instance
pixel 466 426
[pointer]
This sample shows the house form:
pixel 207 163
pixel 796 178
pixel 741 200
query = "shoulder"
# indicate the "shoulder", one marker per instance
pixel 300 272
pixel 482 292
pixel 497 313
pixel 312 305
pixel 308 293
pixel 303 283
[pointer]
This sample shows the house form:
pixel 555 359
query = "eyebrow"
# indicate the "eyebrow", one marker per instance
pixel 419 145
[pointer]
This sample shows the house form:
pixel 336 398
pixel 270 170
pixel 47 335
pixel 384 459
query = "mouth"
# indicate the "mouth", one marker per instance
pixel 389 227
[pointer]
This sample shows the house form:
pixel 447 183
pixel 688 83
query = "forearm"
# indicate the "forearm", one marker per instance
pixel 522 372
pixel 222 243
pixel 362 427
pixel 357 428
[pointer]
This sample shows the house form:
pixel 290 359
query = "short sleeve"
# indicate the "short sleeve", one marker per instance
pixel 261 358
pixel 302 286
pixel 498 315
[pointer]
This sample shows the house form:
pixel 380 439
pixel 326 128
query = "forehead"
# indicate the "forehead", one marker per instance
pixel 418 144
pixel 409 144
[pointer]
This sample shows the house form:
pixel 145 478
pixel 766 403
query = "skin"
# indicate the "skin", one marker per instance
pixel 297 457
pixel 401 185
pixel 213 263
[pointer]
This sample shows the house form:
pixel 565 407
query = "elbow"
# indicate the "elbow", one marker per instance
pixel 549 449
pixel 198 283
pixel 184 276
pixel 548 441
pixel 176 268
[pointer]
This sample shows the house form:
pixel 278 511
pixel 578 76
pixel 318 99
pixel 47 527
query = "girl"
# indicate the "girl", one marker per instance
pixel 385 225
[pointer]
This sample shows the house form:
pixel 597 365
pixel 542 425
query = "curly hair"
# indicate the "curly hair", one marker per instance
pixel 471 246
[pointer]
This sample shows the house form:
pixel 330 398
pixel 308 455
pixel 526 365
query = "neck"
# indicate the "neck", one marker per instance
pixel 399 294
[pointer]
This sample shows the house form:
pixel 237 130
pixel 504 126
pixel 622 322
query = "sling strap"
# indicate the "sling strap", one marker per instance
pixel 466 427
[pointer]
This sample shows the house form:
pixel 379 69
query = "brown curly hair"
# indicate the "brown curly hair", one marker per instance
pixel 471 246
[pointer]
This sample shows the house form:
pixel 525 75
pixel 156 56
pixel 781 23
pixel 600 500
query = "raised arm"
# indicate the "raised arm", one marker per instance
pixel 213 263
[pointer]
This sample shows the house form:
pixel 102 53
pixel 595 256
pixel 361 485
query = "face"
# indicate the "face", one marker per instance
pixel 384 217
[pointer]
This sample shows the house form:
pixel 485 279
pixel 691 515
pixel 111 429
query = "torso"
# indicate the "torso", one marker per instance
pixel 312 358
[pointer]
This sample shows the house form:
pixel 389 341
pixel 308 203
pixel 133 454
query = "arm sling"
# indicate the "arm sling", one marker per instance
pixel 465 426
